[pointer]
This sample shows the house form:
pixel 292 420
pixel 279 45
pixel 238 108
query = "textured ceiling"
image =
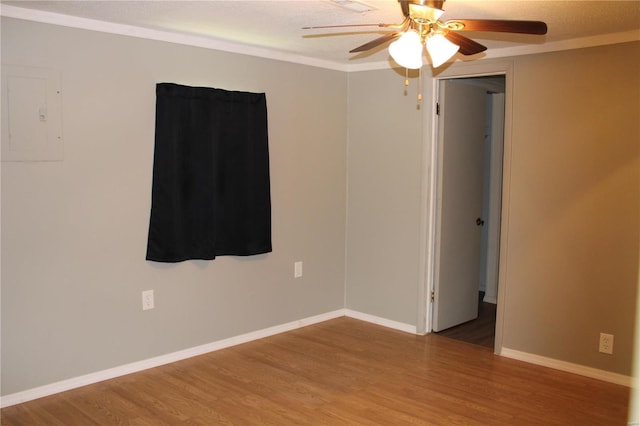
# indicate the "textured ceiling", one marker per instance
pixel 277 25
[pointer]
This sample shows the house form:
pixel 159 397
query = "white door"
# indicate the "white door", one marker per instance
pixel 492 224
pixel 461 134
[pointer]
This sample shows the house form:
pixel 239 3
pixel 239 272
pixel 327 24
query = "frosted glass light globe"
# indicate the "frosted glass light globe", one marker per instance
pixel 407 50
pixel 440 49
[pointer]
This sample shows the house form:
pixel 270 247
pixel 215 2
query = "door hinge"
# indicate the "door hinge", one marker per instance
pixel 437 108
pixel 433 295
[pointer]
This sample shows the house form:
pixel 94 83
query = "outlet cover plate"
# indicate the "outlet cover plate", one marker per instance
pixel 606 343
pixel 147 300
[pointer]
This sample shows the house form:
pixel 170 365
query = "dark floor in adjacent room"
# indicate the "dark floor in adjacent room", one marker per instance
pixel 480 331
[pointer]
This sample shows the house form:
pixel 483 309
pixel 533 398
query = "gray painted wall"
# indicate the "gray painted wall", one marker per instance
pixel 384 202
pixel 574 203
pixel 572 268
pixel 74 232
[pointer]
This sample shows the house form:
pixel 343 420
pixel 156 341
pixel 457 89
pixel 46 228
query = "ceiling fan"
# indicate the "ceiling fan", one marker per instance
pixel 422 27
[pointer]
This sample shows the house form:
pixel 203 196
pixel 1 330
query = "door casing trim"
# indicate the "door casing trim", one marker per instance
pixel 429 183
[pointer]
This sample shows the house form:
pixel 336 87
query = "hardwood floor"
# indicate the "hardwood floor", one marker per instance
pixel 338 372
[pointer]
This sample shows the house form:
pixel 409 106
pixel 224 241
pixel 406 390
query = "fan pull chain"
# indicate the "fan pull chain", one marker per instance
pixel 406 81
pixel 420 84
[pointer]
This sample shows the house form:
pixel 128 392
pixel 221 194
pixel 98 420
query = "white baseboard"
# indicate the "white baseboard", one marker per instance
pixel 490 299
pixel 569 367
pixel 76 382
pixel 408 328
pixel 99 376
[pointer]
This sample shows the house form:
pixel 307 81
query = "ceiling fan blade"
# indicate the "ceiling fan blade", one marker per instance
pixel 498 25
pixel 467 46
pixel 353 25
pixel 376 42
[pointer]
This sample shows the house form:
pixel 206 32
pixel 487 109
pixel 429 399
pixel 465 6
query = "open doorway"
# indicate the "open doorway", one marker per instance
pixel 470 137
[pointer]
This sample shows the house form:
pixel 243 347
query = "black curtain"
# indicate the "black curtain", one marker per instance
pixel 211 192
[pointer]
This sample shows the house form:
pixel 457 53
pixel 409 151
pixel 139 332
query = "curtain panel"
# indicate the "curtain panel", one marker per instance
pixel 211 189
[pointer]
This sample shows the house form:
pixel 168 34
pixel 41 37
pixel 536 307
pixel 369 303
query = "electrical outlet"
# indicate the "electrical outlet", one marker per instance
pixel 147 300
pixel 606 343
pixel 297 269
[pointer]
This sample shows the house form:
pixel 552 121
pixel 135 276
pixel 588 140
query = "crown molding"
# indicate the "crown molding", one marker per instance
pixel 159 35
pixel 244 49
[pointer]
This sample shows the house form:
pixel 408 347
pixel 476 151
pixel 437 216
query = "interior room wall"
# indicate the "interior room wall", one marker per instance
pixel 74 232
pixel 574 214
pixel 384 199
pixel 572 245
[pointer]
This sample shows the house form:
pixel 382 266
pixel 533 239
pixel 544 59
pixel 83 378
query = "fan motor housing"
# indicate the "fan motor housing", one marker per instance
pixel 404 4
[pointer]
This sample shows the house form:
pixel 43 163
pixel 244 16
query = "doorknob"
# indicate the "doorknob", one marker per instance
pixel 479 222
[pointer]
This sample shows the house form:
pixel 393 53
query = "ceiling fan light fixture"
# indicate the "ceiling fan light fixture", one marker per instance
pixel 407 50
pixel 440 49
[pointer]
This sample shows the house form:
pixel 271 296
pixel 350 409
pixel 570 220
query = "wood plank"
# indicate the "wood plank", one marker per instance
pixel 338 372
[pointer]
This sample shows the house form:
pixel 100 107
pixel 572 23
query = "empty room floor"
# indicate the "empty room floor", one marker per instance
pixel 339 372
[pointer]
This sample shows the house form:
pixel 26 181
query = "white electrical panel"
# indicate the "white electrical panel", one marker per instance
pixel 31 114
